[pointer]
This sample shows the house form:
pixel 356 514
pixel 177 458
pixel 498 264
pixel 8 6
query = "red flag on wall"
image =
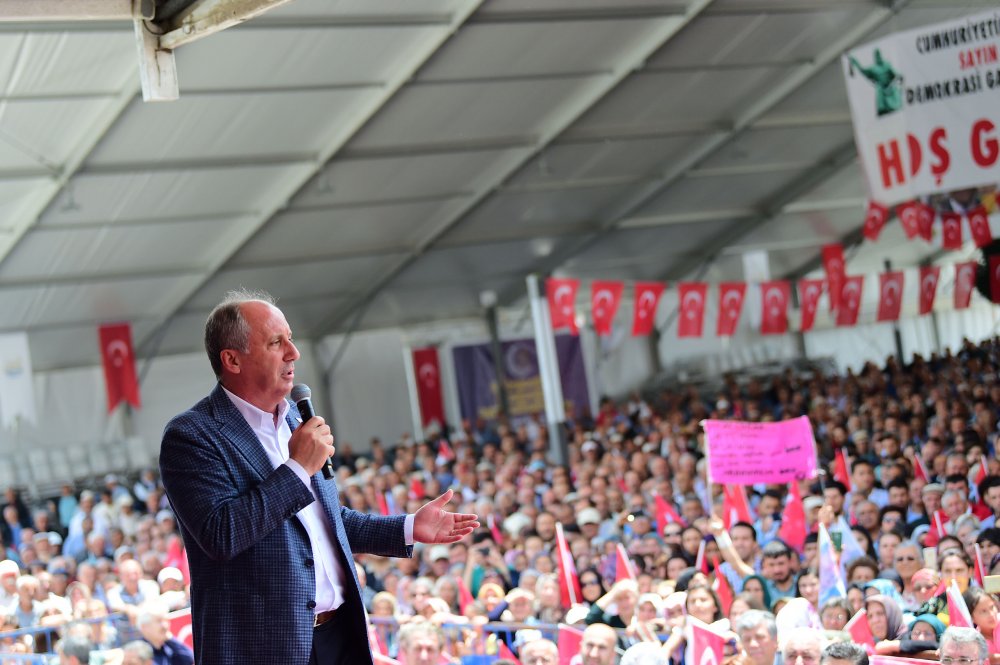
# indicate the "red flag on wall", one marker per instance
pixel 809 292
pixel 427 371
pixel 909 217
pixel 562 302
pixel 647 297
pixel 925 215
pixel 730 305
pixel 774 297
pixel 836 271
pixel 979 226
pixel 929 276
pixel 965 282
pixel 604 300
pixel 951 230
pixel 875 218
pixel 692 308
pixel 119 365
pixel 995 279
pixel 890 296
pixel 850 301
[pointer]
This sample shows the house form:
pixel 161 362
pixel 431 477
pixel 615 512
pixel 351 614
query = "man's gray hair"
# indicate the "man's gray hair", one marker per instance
pixel 78 646
pixel 959 635
pixel 845 651
pixel 140 649
pixel 753 618
pixel 645 653
pixel 227 328
pixel 417 629
pixel 801 634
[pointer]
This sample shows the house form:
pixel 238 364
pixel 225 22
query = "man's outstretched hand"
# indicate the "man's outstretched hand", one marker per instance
pixel 433 524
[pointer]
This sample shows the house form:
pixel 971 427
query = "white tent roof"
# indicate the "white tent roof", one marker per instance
pixel 382 162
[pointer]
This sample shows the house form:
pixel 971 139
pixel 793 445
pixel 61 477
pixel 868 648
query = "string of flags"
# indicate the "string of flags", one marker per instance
pixel 845 294
pixel 918 220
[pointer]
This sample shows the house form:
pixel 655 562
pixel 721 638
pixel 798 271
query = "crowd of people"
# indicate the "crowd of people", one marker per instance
pixel 914 513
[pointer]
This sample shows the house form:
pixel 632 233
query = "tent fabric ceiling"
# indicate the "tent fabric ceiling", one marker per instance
pixel 382 162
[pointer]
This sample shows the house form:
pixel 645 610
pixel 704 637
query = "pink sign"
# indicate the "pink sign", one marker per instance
pixel 748 453
pixel 896 660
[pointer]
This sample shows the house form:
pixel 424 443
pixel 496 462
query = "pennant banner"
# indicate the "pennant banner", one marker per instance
pixel 929 276
pixel 995 279
pixel 428 375
pixel 604 300
pixel 119 365
pixel 562 302
pixel 692 308
pixel 979 226
pixel 17 387
pixel 951 230
pixel 647 297
pixel 890 296
pixel 809 292
pixel 850 301
pixel 925 215
pixel 774 298
pixel 965 282
pixel 836 272
pixel 730 305
pixel 875 218
pixel 909 217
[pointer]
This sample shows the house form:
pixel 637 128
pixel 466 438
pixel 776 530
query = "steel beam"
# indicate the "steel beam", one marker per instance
pixel 74 10
pixel 207 17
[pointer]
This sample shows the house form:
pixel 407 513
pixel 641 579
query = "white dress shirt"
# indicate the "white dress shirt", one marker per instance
pixel 330 574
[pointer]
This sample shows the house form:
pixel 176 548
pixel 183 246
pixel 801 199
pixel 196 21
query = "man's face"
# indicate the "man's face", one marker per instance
pixel 932 502
pixel 545 525
pixel 154 631
pixel 808 650
pixel 953 506
pixel 759 645
pixel 988 549
pixel 266 372
pixel 959 653
pixel 743 542
pixel 767 507
pixel 862 477
pixel 992 499
pixel 132 659
pixel 898 496
pixel 598 646
pixel 867 514
pixel 539 653
pixel 423 650
pixel 833 497
pixel 777 569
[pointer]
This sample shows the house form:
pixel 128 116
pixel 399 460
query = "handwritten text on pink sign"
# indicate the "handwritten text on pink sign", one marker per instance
pixel 748 453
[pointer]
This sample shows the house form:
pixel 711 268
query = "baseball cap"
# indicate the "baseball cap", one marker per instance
pixel 811 502
pixel 8 567
pixel 588 516
pixel 931 488
pixel 439 552
pixel 169 573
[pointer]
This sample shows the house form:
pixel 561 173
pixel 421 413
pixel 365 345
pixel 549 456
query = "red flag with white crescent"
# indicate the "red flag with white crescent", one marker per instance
pixel 569 641
pixel 929 276
pixel 692 308
pixel 979 226
pixel 730 305
pixel 875 218
pixel 429 394
pixel 965 282
pixel 562 302
pixel 120 378
pixel 647 297
pixel 793 527
pixel 665 514
pixel 735 506
pixel 774 297
pixel 707 645
pixel 809 292
pixel 850 301
pixel 925 219
pixel 958 611
pixel 604 300
pixel 624 570
pixel 841 470
pixel 569 581
pixel 995 279
pixel 836 271
pixel 920 469
pixel 951 230
pixel 909 217
pixel 179 622
pixel 890 295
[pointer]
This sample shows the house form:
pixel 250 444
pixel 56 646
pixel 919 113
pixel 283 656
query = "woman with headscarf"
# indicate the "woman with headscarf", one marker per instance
pixel 924 584
pixel 885 618
pixel 880 587
pixel 955 566
pixel 757 586
pixel 921 640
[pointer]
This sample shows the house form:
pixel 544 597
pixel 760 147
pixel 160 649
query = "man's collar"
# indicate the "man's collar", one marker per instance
pixel 257 418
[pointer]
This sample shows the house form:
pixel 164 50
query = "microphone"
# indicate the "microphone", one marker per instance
pixel 302 397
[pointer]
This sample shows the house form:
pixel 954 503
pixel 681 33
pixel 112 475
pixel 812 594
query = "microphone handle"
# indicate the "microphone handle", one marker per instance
pixel 306 411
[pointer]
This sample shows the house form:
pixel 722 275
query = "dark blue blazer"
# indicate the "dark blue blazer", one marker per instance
pixel 252 574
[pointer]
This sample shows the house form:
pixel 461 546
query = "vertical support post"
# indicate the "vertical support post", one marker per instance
pixel 416 419
pixel 548 369
pixel 157 67
pixel 488 299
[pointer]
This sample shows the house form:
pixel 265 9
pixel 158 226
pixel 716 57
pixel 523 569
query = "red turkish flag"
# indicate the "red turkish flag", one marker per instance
pixel 836 271
pixel 909 217
pixel 604 300
pixel 624 568
pixel 841 471
pixel 925 217
pixel 562 302
pixel 995 279
pixel 180 627
pixel 809 292
pixel 427 372
pixel 979 226
pixel 929 276
pixel 722 588
pixel 647 297
pixel 859 630
pixel 706 644
pixel 875 218
pixel 730 305
pixel 692 308
pixel 569 581
pixel 890 296
pixel 965 282
pixel 850 301
pixel 119 365
pixel 774 297
pixel 735 506
pixel 793 520
pixel 951 230
pixel 569 641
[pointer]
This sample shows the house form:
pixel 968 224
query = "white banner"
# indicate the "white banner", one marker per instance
pixel 17 391
pixel 926 108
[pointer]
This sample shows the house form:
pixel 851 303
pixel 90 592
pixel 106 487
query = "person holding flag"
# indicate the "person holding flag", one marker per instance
pixel 983 610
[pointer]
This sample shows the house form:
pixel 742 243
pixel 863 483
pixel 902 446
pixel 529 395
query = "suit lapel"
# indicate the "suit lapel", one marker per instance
pixel 235 428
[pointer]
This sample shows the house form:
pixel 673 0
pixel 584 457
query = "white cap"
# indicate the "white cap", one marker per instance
pixel 8 567
pixel 169 573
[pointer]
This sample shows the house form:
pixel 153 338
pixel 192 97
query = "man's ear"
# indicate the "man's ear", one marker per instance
pixel 230 361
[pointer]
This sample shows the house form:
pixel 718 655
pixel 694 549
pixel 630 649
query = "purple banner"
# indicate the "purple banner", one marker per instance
pixel 475 377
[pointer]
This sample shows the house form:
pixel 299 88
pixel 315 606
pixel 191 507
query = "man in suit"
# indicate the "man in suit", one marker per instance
pixel 269 545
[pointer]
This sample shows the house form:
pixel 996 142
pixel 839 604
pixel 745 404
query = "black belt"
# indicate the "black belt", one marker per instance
pixel 323 617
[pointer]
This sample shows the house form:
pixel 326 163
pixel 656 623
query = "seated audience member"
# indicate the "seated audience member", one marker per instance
pixel 963 645
pixel 758 635
pixel 922 638
pixel 539 652
pixel 804 643
pixel 421 643
pixel 137 652
pixel 843 653
pixel 152 623
pixel 597 647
